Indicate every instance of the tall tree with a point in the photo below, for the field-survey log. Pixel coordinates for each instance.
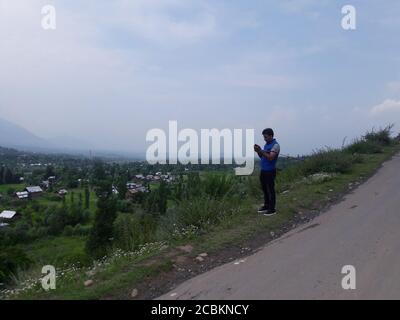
(121, 187)
(7, 176)
(101, 234)
(87, 197)
(49, 172)
(1, 175)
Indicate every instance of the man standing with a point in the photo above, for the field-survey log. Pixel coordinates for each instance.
(269, 156)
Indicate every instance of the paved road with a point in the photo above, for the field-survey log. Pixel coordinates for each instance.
(306, 263)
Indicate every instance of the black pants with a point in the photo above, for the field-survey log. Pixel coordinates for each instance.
(267, 179)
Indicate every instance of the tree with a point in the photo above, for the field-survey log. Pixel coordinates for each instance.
(87, 197)
(100, 236)
(12, 259)
(162, 197)
(121, 187)
(1, 175)
(98, 171)
(156, 201)
(7, 176)
(57, 219)
(49, 172)
(80, 202)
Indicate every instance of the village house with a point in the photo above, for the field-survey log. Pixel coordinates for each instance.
(62, 192)
(134, 189)
(132, 192)
(22, 195)
(8, 216)
(46, 184)
(142, 189)
(34, 191)
(115, 190)
(131, 185)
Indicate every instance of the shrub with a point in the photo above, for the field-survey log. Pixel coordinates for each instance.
(131, 231)
(56, 219)
(381, 137)
(253, 185)
(80, 230)
(200, 213)
(12, 259)
(363, 146)
(10, 191)
(217, 186)
(210, 185)
(68, 231)
(329, 160)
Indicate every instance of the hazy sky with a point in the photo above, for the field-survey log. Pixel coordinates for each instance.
(112, 70)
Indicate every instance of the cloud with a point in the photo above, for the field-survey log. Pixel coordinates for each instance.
(386, 106)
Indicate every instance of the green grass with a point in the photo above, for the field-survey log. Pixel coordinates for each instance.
(299, 198)
(118, 279)
(77, 191)
(17, 187)
(57, 251)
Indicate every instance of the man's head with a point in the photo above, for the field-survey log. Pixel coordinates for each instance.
(268, 135)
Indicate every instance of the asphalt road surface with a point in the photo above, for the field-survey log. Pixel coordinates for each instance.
(362, 231)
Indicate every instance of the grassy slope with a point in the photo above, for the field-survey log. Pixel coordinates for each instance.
(124, 274)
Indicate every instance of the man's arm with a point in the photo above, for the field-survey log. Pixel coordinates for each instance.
(269, 155)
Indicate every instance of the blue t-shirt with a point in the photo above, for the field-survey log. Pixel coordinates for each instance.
(267, 165)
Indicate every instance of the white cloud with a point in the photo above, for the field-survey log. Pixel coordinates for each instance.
(388, 105)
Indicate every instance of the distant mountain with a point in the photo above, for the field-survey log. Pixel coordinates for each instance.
(13, 135)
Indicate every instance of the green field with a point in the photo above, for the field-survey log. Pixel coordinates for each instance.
(57, 251)
(17, 187)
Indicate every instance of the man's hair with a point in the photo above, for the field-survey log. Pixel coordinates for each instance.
(268, 131)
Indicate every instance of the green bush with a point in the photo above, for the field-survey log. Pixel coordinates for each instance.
(381, 137)
(210, 185)
(217, 186)
(329, 160)
(80, 230)
(11, 260)
(200, 212)
(363, 146)
(68, 231)
(131, 231)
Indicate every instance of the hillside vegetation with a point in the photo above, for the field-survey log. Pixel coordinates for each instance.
(110, 240)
